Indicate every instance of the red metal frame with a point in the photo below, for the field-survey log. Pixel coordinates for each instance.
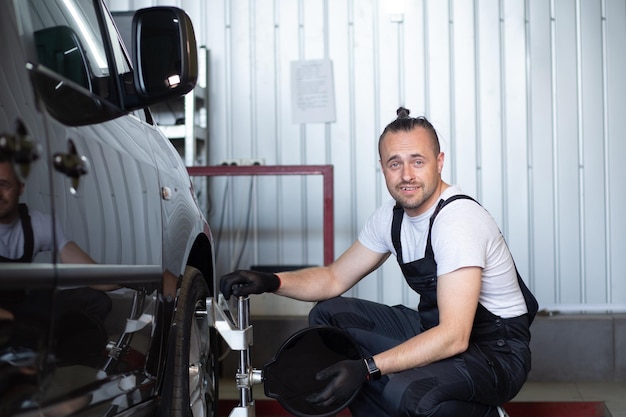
(326, 171)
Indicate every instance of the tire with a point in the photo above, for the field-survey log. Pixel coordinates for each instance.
(195, 375)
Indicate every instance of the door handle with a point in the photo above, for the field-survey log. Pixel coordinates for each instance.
(71, 164)
(20, 147)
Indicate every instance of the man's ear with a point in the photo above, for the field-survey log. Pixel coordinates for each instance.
(21, 188)
(440, 159)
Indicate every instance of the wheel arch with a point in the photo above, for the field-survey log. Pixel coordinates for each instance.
(201, 258)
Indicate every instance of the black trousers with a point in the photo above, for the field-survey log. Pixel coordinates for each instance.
(471, 384)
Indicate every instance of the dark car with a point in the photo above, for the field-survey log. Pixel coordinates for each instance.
(107, 261)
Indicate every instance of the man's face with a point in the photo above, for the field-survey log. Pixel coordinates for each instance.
(10, 190)
(412, 169)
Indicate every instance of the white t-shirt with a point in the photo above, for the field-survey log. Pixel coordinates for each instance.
(464, 234)
(12, 236)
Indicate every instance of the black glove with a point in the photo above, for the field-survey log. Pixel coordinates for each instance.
(345, 378)
(242, 283)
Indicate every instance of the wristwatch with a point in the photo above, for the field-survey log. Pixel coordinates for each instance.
(372, 370)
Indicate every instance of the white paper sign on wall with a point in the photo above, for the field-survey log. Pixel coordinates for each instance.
(312, 91)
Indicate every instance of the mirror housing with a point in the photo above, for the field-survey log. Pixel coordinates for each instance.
(69, 102)
(165, 55)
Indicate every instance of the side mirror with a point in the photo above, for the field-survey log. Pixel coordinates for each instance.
(165, 55)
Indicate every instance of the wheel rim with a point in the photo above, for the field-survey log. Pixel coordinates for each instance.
(202, 378)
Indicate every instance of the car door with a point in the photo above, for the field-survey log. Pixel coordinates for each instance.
(97, 342)
(26, 280)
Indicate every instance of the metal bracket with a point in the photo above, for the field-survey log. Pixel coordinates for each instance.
(238, 336)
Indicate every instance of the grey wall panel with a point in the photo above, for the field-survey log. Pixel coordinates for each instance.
(591, 153)
(615, 132)
(528, 97)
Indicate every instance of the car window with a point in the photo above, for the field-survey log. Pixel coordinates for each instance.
(69, 43)
(69, 59)
(121, 60)
(65, 30)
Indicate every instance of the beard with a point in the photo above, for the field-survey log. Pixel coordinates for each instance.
(7, 212)
(414, 201)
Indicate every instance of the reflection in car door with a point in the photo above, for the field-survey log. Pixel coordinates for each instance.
(23, 329)
(100, 185)
(113, 214)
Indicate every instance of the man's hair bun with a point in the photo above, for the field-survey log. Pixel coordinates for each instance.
(402, 112)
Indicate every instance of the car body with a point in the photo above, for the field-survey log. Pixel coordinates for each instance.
(76, 126)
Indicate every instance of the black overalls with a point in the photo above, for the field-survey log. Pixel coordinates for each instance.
(27, 228)
(12, 300)
(489, 373)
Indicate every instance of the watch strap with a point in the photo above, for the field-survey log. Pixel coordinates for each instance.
(373, 373)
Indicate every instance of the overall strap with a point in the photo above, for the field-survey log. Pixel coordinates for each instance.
(27, 227)
(27, 230)
(396, 223)
(441, 205)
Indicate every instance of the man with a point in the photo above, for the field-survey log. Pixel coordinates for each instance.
(18, 243)
(465, 351)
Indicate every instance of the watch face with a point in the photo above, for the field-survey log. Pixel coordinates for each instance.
(372, 369)
(290, 376)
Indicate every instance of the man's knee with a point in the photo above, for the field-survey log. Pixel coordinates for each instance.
(411, 397)
(321, 313)
(341, 312)
(437, 390)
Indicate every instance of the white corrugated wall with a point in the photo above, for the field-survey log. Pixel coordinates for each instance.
(528, 96)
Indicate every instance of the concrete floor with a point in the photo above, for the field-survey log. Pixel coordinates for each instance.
(613, 394)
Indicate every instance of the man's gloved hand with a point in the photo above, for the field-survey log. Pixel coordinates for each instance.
(242, 283)
(345, 378)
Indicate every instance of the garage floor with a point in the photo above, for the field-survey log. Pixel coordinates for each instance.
(545, 394)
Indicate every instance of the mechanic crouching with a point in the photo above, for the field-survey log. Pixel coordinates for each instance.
(465, 350)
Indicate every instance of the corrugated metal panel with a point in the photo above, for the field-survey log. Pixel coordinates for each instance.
(528, 97)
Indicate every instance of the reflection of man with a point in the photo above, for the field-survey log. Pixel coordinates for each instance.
(23, 234)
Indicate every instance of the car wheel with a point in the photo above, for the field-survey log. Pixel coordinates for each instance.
(195, 376)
